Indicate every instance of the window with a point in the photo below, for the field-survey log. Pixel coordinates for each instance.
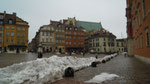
(70, 28)
(42, 33)
(10, 21)
(12, 40)
(147, 37)
(18, 34)
(117, 44)
(143, 7)
(18, 28)
(7, 33)
(141, 40)
(7, 27)
(46, 39)
(12, 28)
(122, 44)
(42, 39)
(1, 22)
(1, 28)
(66, 28)
(23, 28)
(46, 33)
(1, 34)
(0, 40)
(75, 28)
(23, 35)
(23, 41)
(18, 41)
(104, 44)
(139, 16)
(12, 33)
(7, 40)
(56, 30)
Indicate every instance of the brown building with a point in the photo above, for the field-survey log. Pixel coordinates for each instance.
(74, 39)
(138, 28)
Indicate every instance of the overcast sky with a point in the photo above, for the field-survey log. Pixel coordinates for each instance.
(111, 13)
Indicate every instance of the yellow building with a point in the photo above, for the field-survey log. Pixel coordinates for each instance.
(15, 33)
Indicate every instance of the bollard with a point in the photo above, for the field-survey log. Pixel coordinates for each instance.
(40, 55)
(93, 64)
(69, 72)
(103, 61)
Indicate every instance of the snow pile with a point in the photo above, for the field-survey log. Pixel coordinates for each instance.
(106, 58)
(124, 53)
(102, 78)
(41, 71)
(58, 53)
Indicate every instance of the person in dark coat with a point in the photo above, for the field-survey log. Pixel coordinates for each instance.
(40, 55)
(96, 56)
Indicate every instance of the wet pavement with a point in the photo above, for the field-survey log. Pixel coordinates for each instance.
(9, 59)
(130, 70)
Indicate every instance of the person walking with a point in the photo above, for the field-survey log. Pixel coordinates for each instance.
(96, 56)
(83, 53)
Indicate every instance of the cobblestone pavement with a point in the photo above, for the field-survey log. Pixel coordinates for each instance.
(130, 70)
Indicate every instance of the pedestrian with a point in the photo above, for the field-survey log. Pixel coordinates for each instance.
(70, 53)
(96, 56)
(40, 55)
(83, 53)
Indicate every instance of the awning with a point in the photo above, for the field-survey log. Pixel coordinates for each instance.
(17, 46)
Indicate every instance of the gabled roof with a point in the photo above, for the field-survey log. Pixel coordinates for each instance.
(103, 33)
(89, 25)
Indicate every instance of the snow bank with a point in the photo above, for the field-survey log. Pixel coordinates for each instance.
(41, 71)
(106, 58)
(102, 77)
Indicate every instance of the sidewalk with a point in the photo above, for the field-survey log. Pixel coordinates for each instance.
(130, 70)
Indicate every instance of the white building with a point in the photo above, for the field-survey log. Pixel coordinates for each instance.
(121, 45)
(102, 41)
(45, 39)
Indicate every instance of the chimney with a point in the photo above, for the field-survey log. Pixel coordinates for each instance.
(14, 13)
(4, 13)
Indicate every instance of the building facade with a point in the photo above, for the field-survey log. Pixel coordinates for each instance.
(59, 36)
(13, 33)
(102, 41)
(46, 39)
(138, 17)
(121, 45)
(74, 39)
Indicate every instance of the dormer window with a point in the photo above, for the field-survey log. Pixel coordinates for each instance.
(1, 22)
(10, 21)
(59, 25)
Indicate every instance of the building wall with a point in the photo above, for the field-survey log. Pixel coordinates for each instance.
(120, 46)
(141, 24)
(103, 44)
(74, 38)
(60, 38)
(1, 37)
